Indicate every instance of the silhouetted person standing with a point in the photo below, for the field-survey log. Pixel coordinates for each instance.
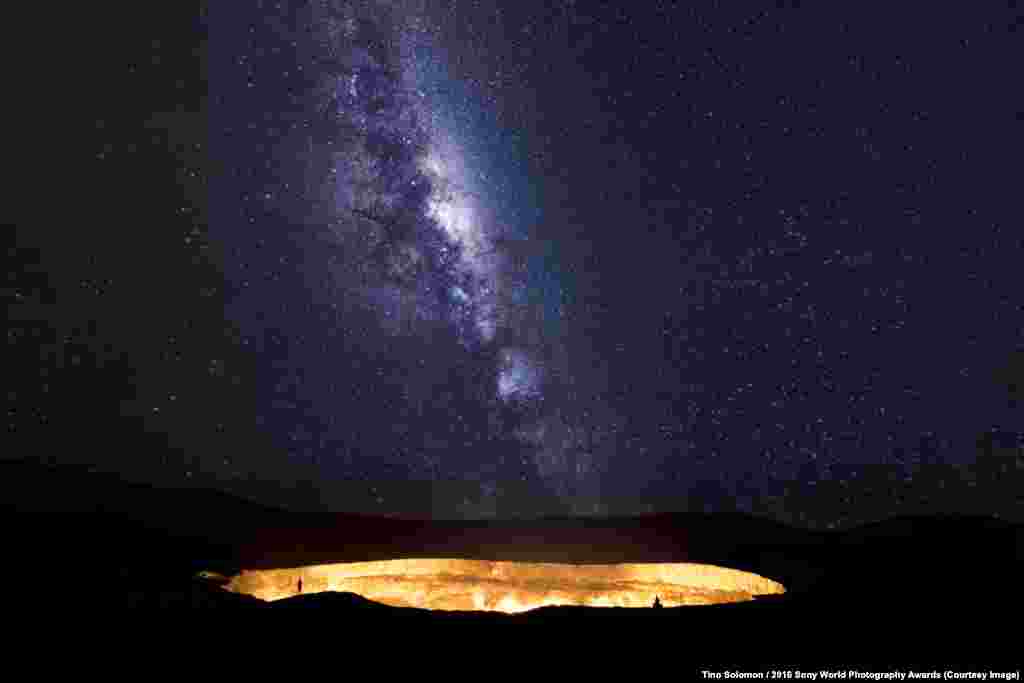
(300, 584)
(657, 602)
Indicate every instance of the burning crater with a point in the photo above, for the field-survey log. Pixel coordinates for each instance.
(511, 587)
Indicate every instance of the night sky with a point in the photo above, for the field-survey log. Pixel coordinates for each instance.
(487, 259)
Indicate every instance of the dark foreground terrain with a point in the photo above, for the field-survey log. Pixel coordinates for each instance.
(75, 539)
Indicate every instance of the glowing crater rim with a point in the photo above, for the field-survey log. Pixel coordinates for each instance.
(511, 587)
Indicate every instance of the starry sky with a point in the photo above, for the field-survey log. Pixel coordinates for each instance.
(488, 259)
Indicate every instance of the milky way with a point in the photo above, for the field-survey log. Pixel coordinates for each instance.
(411, 207)
(403, 188)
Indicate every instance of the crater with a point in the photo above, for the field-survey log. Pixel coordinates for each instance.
(510, 587)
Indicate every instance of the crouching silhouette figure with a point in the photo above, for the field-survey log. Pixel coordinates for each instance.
(657, 602)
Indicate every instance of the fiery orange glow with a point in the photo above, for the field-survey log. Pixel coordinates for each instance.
(445, 584)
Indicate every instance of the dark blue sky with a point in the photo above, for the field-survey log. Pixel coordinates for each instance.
(514, 259)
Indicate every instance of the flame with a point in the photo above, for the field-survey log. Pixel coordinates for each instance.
(510, 587)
